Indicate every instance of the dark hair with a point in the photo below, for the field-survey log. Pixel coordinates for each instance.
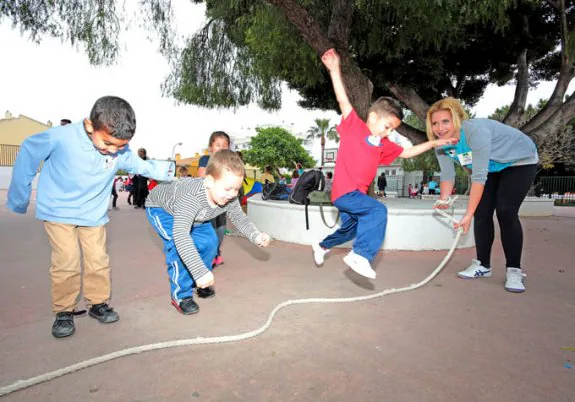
(218, 134)
(329, 175)
(268, 168)
(144, 152)
(386, 106)
(63, 122)
(295, 174)
(115, 116)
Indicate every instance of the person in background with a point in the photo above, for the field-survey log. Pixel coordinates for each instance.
(381, 185)
(294, 178)
(328, 182)
(140, 184)
(267, 177)
(432, 186)
(218, 140)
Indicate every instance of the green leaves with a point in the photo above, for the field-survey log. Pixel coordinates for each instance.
(278, 148)
(213, 72)
(94, 23)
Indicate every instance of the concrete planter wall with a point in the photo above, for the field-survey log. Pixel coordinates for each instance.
(412, 224)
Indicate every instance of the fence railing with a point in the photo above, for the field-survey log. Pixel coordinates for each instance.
(8, 154)
(560, 188)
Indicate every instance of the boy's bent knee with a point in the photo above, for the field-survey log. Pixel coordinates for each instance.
(379, 213)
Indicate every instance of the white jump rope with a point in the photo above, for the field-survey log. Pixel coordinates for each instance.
(18, 385)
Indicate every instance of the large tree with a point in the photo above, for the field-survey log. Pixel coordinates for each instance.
(417, 50)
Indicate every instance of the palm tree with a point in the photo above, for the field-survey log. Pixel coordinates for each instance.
(322, 130)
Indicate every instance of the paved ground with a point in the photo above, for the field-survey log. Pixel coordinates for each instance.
(452, 340)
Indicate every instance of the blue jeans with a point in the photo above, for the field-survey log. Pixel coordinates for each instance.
(181, 282)
(363, 218)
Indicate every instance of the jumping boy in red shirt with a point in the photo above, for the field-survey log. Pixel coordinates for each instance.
(364, 146)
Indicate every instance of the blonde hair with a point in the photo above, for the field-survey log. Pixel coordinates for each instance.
(453, 106)
(225, 160)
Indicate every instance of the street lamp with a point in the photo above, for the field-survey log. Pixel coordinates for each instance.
(174, 150)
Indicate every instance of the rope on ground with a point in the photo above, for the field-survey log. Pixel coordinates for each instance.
(22, 384)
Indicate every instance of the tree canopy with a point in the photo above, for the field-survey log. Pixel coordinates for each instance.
(418, 50)
(278, 148)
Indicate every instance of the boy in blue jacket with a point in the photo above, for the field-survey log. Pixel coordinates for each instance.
(80, 162)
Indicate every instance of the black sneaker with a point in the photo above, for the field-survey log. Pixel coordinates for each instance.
(103, 313)
(206, 293)
(63, 324)
(187, 306)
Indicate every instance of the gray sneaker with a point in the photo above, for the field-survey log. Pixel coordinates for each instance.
(514, 280)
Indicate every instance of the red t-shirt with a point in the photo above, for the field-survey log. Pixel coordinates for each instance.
(357, 160)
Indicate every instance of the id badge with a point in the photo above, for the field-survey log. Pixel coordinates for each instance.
(109, 162)
(465, 158)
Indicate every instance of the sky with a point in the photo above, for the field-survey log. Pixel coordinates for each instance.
(53, 80)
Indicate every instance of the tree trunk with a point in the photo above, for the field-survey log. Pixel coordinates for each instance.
(557, 121)
(411, 99)
(412, 134)
(322, 142)
(359, 89)
(566, 74)
(517, 108)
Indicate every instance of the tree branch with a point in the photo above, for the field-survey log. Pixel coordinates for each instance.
(305, 23)
(359, 87)
(414, 135)
(566, 74)
(411, 99)
(556, 122)
(517, 108)
(339, 29)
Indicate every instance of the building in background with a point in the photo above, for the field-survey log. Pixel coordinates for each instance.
(13, 131)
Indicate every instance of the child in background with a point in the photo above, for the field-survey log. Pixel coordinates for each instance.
(218, 140)
(364, 146)
(181, 211)
(182, 172)
(267, 177)
(80, 162)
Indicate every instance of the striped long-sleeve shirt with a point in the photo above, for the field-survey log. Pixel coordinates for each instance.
(186, 200)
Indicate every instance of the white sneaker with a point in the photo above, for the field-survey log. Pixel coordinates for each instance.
(514, 282)
(318, 254)
(475, 270)
(359, 264)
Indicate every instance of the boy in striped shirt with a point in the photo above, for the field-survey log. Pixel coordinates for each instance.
(181, 211)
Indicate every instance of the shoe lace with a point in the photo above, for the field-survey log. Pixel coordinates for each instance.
(516, 276)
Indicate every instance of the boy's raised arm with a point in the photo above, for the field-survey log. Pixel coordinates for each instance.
(332, 62)
(32, 152)
(426, 146)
